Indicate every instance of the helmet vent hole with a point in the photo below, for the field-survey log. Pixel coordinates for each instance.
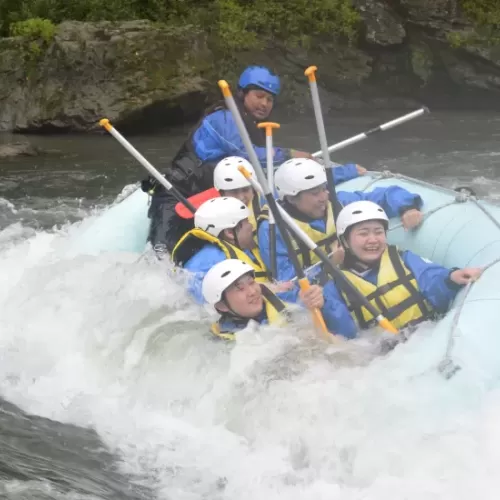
(225, 274)
(357, 212)
(309, 177)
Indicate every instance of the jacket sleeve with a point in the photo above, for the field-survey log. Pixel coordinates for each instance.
(199, 264)
(432, 280)
(218, 136)
(335, 312)
(393, 199)
(343, 173)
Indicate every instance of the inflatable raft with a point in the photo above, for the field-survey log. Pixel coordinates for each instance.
(457, 231)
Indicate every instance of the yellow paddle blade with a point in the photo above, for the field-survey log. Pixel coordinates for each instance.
(387, 325)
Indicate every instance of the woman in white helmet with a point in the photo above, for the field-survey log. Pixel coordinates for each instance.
(222, 231)
(230, 287)
(405, 288)
(301, 185)
(229, 181)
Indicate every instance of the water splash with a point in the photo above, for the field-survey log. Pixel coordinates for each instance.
(112, 341)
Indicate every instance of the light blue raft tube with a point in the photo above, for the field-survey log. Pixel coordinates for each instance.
(457, 231)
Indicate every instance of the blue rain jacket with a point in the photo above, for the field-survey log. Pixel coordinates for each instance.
(432, 281)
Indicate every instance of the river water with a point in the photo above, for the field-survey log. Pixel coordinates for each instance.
(112, 389)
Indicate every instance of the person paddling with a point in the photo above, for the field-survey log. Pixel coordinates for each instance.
(229, 181)
(231, 289)
(222, 231)
(405, 288)
(302, 188)
(214, 138)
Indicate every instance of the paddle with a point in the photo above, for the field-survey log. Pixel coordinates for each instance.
(269, 126)
(199, 198)
(304, 284)
(145, 163)
(334, 272)
(196, 200)
(336, 205)
(380, 128)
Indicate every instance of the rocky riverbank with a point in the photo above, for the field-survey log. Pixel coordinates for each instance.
(143, 75)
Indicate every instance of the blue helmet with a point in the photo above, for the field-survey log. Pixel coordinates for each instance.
(261, 77)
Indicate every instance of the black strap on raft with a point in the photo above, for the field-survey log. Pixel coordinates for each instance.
(465, 190)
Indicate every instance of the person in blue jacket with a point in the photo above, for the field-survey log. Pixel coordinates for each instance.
(301, 185)
(402, 286)
(229, 181)
(213, 138)
(222, 231)
(231, 289)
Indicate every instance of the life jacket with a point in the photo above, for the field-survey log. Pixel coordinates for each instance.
(275, 314)
(396, 294)
(324, 240)
(255, 210)
(189, 173)
(193, 241)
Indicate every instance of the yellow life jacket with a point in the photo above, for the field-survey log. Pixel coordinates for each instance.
(324, 240)
(193, 241)
(275, 314)
(396, 294)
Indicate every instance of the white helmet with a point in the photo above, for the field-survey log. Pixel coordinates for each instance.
(220, 277)
(227, 176)
(359, 211)
(220, 213)
(298, 174)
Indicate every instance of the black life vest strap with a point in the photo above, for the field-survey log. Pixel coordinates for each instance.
(275, 301)
(259, 274)
(392, 313)
(414, 293)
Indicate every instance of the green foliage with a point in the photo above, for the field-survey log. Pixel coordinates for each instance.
(37, 34)
(36, 28)
(295, 19)
(456, 40)
(243, 23)
(483, 12)
(233, 23)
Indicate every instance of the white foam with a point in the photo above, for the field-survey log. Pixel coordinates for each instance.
(113, 342)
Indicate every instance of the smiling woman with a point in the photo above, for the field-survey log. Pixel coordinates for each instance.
(404, 287)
